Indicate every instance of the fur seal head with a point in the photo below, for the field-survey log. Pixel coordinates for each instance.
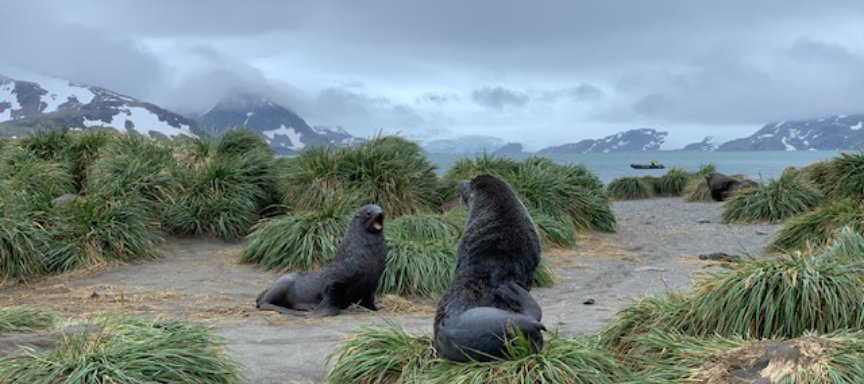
(370, 217)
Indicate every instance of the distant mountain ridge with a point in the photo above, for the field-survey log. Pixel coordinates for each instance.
(42, 102)
(464, 145)
(842, 132)
(285, 131)
(635, 140)
(706, 145)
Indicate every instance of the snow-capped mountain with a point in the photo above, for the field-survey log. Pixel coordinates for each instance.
(31, 102)
(838, 132)
(464, 145)
(706, 145)
(285, 131)
(635, 140)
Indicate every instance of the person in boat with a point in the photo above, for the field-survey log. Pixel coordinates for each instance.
(653, 162)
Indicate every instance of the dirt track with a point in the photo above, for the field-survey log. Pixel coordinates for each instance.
(655, 247)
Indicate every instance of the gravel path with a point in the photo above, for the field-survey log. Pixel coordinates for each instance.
(655, 248)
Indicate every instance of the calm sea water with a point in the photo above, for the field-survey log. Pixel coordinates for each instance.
(609, 166)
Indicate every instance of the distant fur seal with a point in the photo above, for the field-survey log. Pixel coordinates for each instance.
(722, 186)
(489, 299)
(352, 276)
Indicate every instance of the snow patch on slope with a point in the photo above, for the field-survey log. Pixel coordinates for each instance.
(143, 121)
(290, 133)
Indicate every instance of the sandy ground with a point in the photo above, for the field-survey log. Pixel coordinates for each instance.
(654, 249)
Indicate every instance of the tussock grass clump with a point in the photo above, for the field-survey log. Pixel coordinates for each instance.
(844, 178)
(830, 359)
(47, 144)
(639, 318)
(380, 355)
(389, 171)
(672, 183)
(847, 247)
(783, 297)
(93, 230)
(127, 350)
(386, 354)
(630, 188)
(134, 165)
(562, 192)
(778, 298)
(816, 174)
(25, 319)
(569, 193)
(421, 255)
(29, 181)
(554, 232)
(818, 227)
(697, 190)
(305, 240)
(83, 150)
(23, 243)
(545, 275)
(422, 268)
(237, 142)
(226, 183)
(468, 168)
(778, 200)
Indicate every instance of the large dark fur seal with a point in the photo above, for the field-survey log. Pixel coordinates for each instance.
(488, 299)
(350, 278)
(722, 186)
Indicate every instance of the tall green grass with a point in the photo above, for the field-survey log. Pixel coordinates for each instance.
(844, 178)
(672, 183)
(778, 200)
(697, 189)
(20, 319)
(23, 244)
(630, 188)
(834, 358)
(386, 354)
(418, 267)
(134, 166)
(554, 232)
(818, 227)
(783, 297)
(225, 184)
(27, 180)
(127, 351)
(94, 230)
(389, 171)
(380, 355)
(569, 193)
(304, 240)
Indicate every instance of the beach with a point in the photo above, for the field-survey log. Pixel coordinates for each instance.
(655, 249)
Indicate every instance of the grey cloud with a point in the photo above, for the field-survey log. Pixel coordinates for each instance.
(580, 93)
(499, 98)
(811, 79)
(437, 98)
(629, 62)
(84, 54)
(365, 115)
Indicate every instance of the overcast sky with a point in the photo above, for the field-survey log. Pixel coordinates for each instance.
(537, 72)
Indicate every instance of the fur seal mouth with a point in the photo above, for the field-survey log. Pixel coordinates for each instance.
(377, 223)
